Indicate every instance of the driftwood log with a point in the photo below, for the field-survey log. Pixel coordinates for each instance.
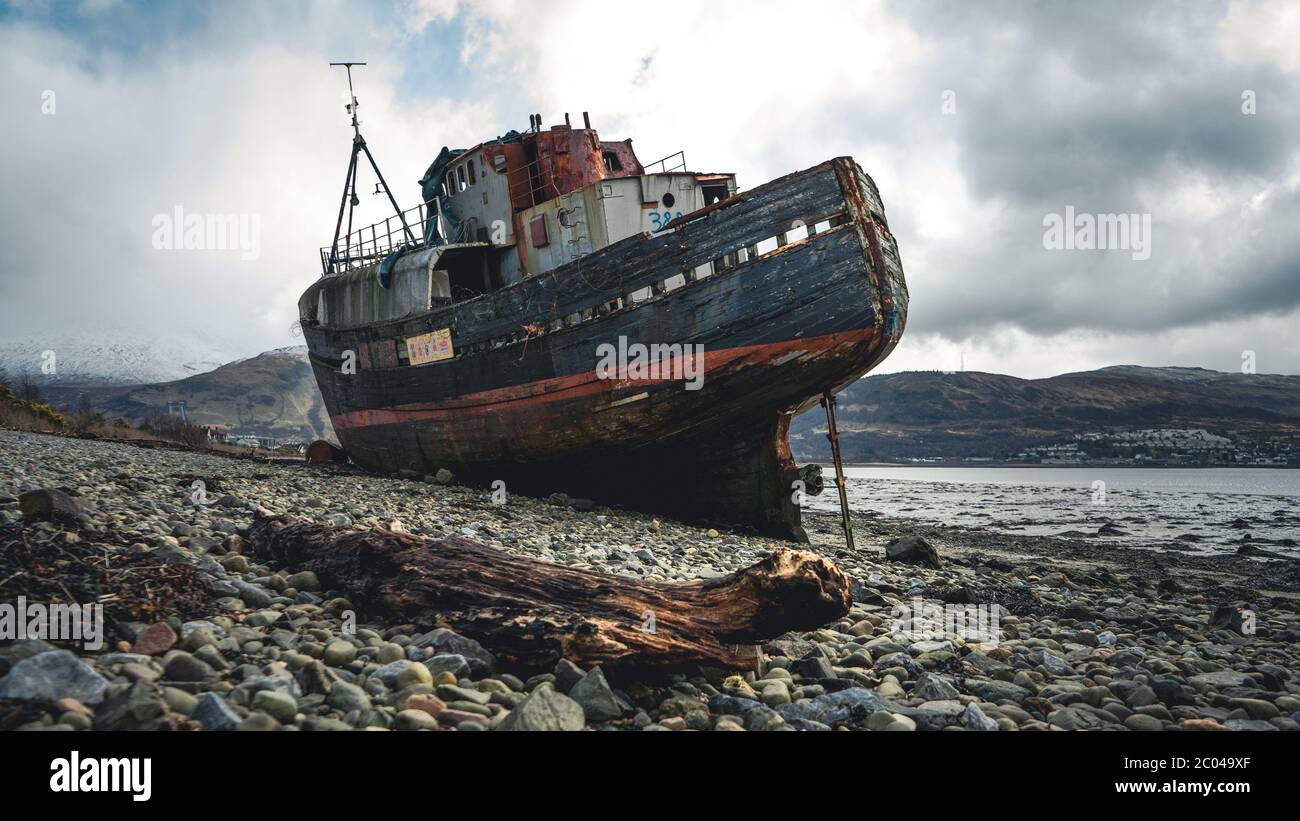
(530, 613)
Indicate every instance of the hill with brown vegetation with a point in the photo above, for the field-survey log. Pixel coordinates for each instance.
(919, 414)
(272, 394)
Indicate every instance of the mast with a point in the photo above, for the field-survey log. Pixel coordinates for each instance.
(350, 200)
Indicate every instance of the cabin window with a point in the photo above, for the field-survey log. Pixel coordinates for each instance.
(612, 163)
(451, 183)
(460, 177)
(472, 180)
(713, 192)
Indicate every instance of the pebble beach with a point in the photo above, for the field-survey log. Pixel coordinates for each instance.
(1089, 636)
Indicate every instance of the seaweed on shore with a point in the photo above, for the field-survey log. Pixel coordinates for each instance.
(130, 586)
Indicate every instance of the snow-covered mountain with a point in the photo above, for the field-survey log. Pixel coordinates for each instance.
(113, 358)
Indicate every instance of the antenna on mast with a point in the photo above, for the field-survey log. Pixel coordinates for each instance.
(350, 199)
(351, 107)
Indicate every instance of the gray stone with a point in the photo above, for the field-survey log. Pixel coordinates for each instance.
(1053, 663)
(414, 720)
(567, 674)
(453, 663)
(443, 640)
(1076, 718)
(252, 595)
(853, 704)
(391, 672)
(1142, 696)
(547, 710)
(912, 550)
(1141, 723)
(258, 723)
(995, 691)
(51, 676)
(450, 692)
(596, 697)
(214, 713)
(304, 580)
(182, 666)
(935, 715)
(339, 653)
(346, 697)
(931, 687)
(814, 667)
(179, 701)
(1220, 679)
(885, 721)
(139, 707)
(1249, 725)
(26, 648)
(51, 505)
(763, 718)
(280, 706)
(977, 721)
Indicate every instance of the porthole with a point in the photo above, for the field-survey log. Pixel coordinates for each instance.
(669, 200)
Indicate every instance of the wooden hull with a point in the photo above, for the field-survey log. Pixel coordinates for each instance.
(531, 409)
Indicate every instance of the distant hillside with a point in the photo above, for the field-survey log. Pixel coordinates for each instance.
(934, 414)
(273, 394)
(918, 414)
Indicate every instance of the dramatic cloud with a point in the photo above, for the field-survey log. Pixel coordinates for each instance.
(976, 120)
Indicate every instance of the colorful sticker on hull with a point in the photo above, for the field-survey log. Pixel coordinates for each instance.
(432, 347)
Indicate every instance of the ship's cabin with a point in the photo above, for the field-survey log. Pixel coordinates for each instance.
(503, 210)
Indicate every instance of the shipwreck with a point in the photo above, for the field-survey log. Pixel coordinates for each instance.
(475, 331)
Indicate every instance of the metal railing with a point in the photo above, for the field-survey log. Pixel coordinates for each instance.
(410, 230)
(679, 165)
(532, 182)
(521, 183)
(374, 242)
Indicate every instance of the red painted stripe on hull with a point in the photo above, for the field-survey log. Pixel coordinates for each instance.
(588, 383)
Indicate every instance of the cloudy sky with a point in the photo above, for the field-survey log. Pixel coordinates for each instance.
(977, 121)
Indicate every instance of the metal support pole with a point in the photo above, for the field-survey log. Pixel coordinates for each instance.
(833, 434)
(338, 226)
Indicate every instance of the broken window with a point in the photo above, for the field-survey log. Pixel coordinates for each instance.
(713, 192)
(472, 179)
(612, 163)
(460, 176)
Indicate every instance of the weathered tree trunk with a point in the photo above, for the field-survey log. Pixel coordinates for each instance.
(530, 613)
